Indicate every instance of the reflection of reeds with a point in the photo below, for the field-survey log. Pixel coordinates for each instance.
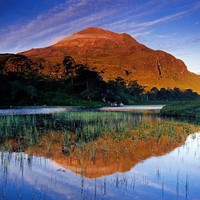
(82, 182)
(104, 186)
(86, 126)
(158, 174)
(5, 162)
(163, 187)
(92, 137)
(48, 147)
(187, 186)
(177, 184)
(133, 181)
(93, 153)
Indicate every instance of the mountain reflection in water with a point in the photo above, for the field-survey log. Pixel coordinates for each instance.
(156, 159)
(104, 156)
(171, 176)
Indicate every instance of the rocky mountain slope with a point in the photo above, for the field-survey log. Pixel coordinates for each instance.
(116, 55)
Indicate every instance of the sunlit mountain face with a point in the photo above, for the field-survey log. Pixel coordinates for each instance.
(116, 55)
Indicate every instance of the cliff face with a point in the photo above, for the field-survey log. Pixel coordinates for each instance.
(115, 55)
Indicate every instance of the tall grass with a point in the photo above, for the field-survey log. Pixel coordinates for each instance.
(75, 129)
(17, 132)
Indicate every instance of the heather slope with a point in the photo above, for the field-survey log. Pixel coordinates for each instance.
(115, 55)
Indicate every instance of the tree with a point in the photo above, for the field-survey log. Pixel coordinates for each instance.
(136, 90)
(177, 93)
(164, 94)
(31, 91)
(2, 66)
(117, 91)
(70, 67)
(189, 94)
(89, 83)
(18, 64)
(15, 88)
(153, 93)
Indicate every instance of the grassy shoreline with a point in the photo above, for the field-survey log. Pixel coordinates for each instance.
(182, 109)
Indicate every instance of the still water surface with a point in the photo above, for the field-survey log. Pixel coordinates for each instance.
(28, 111)
(175, 175)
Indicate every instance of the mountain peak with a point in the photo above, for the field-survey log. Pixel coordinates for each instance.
(94, 30)
(92, 33)
(118, 55)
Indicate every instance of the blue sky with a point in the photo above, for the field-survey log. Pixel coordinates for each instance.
(169, 25)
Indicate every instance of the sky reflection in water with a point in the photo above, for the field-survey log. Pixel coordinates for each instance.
(172, 176)
(43, 110)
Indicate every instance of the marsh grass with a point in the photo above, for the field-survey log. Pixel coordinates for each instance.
(91, 138)
(81, 127)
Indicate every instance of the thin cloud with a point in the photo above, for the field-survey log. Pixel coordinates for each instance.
(141, 34)
(162, 36)
(193, 39)
(140, 29)
(53, 23)
(197, 5)
(161, 20)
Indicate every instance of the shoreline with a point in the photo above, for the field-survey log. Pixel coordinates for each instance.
(50, 110)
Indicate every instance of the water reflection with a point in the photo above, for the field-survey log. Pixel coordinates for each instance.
(118, 164)
(110, 153)
(175, 175)
(33, 111)
(171, 176)
(49, 110)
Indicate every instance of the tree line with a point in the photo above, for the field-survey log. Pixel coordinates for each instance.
(24, 85)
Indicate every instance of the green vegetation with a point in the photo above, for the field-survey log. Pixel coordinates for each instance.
(85, 125)
(87, 135)
(22, 84)
(184, 108)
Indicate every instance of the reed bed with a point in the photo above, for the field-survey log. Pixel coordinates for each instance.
(90, 135)
(86, 126)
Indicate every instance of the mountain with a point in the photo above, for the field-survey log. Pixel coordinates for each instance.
(116, 55)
